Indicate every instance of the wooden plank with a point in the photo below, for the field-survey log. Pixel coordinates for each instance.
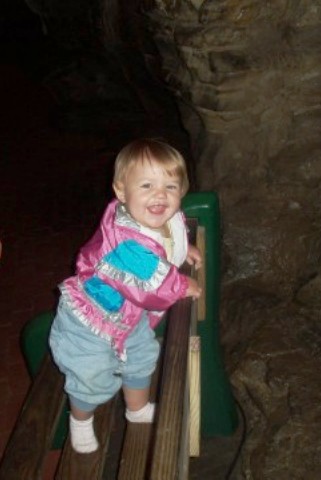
(183, 459)
(130, 442)
(135, 451)
(32, 437)
(167, 455)
(116, 441)
(195, 396)
(201, 273)
(138, 440)
(76, 466)
(169, 421)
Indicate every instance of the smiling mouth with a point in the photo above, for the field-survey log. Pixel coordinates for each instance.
(157, 209)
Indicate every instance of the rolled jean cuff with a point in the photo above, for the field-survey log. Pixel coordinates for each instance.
(137, 383)
(81, 405)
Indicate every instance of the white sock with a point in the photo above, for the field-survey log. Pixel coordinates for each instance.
(82, 435)
(144, 415)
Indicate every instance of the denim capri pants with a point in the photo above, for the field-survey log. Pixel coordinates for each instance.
(93, 372)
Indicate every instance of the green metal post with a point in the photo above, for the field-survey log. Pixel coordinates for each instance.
(218, 409)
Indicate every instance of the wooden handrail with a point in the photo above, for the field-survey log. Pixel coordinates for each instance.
(166, 449)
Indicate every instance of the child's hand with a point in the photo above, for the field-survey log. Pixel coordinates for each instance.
(193, 290)
(194, 257)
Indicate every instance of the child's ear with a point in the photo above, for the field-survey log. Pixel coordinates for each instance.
(119, 190)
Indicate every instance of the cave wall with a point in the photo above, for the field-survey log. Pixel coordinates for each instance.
(247, 77)
(252, 71)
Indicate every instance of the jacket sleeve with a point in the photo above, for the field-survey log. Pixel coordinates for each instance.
(142, 277)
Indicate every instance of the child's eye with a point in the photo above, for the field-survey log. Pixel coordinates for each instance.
(172, 187)
(146, 185)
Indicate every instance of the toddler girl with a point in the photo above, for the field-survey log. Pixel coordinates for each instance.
(127, 275)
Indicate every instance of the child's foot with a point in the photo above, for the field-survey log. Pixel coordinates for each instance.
(82, 435)
(144, 415)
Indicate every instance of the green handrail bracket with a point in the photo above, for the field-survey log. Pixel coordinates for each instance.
(218, 409)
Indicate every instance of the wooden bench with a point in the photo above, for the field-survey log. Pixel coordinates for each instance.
(155, 451)
(158, 451)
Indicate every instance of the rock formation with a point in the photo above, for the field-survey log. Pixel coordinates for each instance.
(247, 77)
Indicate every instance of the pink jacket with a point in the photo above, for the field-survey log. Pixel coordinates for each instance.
(123, 271)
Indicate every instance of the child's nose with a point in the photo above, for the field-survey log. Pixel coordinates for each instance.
(161, 191)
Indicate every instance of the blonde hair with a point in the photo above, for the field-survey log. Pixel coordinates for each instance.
(151, 149)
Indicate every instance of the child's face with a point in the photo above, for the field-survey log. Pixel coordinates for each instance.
(151, 196)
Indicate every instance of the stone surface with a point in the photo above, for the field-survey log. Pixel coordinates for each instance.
(247, 76)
